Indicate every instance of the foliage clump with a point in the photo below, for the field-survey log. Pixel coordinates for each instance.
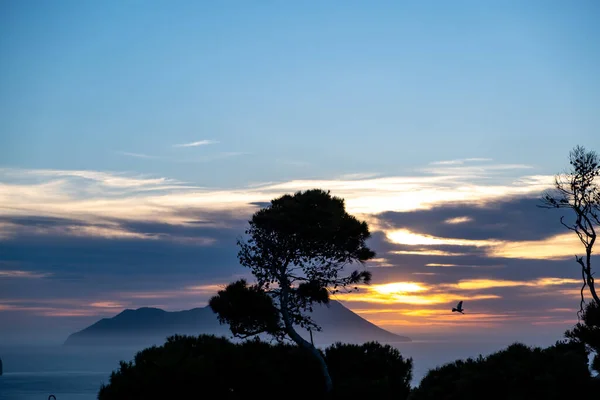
(587, 332)
(212, 367)
(518, 372)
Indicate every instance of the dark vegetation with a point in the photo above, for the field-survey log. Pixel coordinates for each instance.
(298, 251)
(207, 367)
(587, 333)
(516, 373)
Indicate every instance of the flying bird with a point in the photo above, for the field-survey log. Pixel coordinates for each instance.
(458, 308)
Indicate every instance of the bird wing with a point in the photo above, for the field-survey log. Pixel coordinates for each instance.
(459, 306)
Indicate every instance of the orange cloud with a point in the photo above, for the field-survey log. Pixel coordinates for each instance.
(419, 293)
(107, 304)
(405, 236)
(560, 246)
(565, 245)
(415, 293)
(477, 284)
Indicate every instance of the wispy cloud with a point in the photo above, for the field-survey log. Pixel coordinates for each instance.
(23, 274)
(460, 161)
(557, 247)
(136, 155)
(106, 304)
(113, 231)
(428, 252)
(478, 284)
(447, 265)
(197, 143)
(474, 171)
(404, 236)
(358, 176)
(103, 197)
(458, 220)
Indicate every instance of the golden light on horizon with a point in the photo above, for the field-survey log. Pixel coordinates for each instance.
(398, 287)
(414, 293)
(405, 236)
(477, 284)
(561, 246)
(407, 319)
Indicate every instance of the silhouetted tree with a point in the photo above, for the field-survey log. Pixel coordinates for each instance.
(298, 250)
(578, 190)
(516, 373)
(587, 332)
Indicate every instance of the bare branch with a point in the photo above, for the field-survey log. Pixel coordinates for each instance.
(577, 190)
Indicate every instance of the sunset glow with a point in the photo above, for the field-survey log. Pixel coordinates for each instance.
(119, 194)
(390, 186)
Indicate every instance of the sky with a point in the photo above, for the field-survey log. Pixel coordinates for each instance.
(137, 139)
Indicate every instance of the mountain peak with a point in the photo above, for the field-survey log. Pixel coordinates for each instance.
(149, 325)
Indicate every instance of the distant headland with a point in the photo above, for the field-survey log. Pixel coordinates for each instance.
(153, 325)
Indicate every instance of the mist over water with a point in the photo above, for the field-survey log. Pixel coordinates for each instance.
(70, 373)
(76, 373)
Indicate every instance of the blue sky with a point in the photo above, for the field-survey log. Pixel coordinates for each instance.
(136, 138)
(294, 89)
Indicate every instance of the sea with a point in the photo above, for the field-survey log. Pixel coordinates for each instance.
(76, 373)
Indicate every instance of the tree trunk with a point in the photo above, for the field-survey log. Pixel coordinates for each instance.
(300, 341)
(590, 282)
(588, 261)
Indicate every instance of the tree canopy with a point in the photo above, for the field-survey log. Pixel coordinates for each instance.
(207, 367)
(299, 249)
(516, 373)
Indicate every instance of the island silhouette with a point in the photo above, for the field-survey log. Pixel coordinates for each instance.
(147, 326)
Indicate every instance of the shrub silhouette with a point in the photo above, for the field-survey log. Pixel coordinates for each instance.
(369, 371)
(516, 373)
(587, 332)
(211, 367)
